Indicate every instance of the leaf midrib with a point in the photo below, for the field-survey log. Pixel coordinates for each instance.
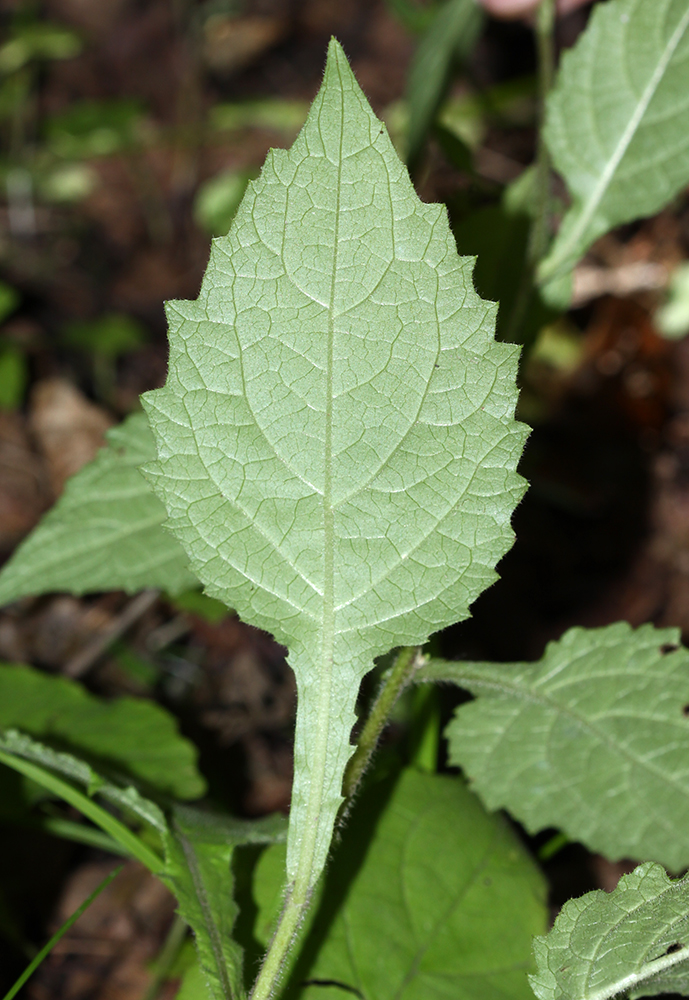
(212, 929)
(304, 875)
(559, 263)
(457, 898)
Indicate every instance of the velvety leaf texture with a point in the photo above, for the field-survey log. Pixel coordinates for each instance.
(336, 438)
(130, 735)
(105, 532)
(592, 739)
(633, 940)
(618, 120)
(441, 881)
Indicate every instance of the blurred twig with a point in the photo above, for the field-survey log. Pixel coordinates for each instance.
(133, 610)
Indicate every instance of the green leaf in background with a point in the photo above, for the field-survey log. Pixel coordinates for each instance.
(199, 872)
(498, 236)
(81, 773)
(450, 38)
(194, 602)
(415, 16)
(38, 41)
(67, 182)
(218, 199)
(275, 115)
(111, 335)
(336, 437)
(94, 128)
(672, 318)
(470, 114)
(429, 898)
(14, 376)
(193, 985)
(129, 735)
(592, 739)
(634, 941)
(618, 121)
(104, 533)
(9, 300)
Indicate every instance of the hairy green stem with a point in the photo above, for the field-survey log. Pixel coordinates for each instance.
(393, 684)
(539, 235)
(298, 898)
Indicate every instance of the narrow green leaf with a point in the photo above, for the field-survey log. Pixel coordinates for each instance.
(634, 940)
(336, 437)
(618, 121)
(40, 764)
(592, 739)
(129, 735)
(45, 951)
(429, 898)
(450, 38)
(81, 773)
(199, 855)
(104, 533)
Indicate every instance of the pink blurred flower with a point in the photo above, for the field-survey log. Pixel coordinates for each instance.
(509, 9)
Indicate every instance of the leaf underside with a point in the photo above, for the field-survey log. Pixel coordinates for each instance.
(336, 442)
(633, 940)
(105, 532)
(442, 881)
(592, 739)
(618, 121)
(130, 735)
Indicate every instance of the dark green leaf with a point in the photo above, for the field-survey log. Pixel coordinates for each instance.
(199, 855)
(427, 897)
(133, 736)
(450, 37)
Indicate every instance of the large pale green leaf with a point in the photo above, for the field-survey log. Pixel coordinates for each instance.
(129, 735)
(593, 739)
(431, 898)
(634, 940)
(618, 121)
(199, 872)
(105, 532)
(336, 438)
